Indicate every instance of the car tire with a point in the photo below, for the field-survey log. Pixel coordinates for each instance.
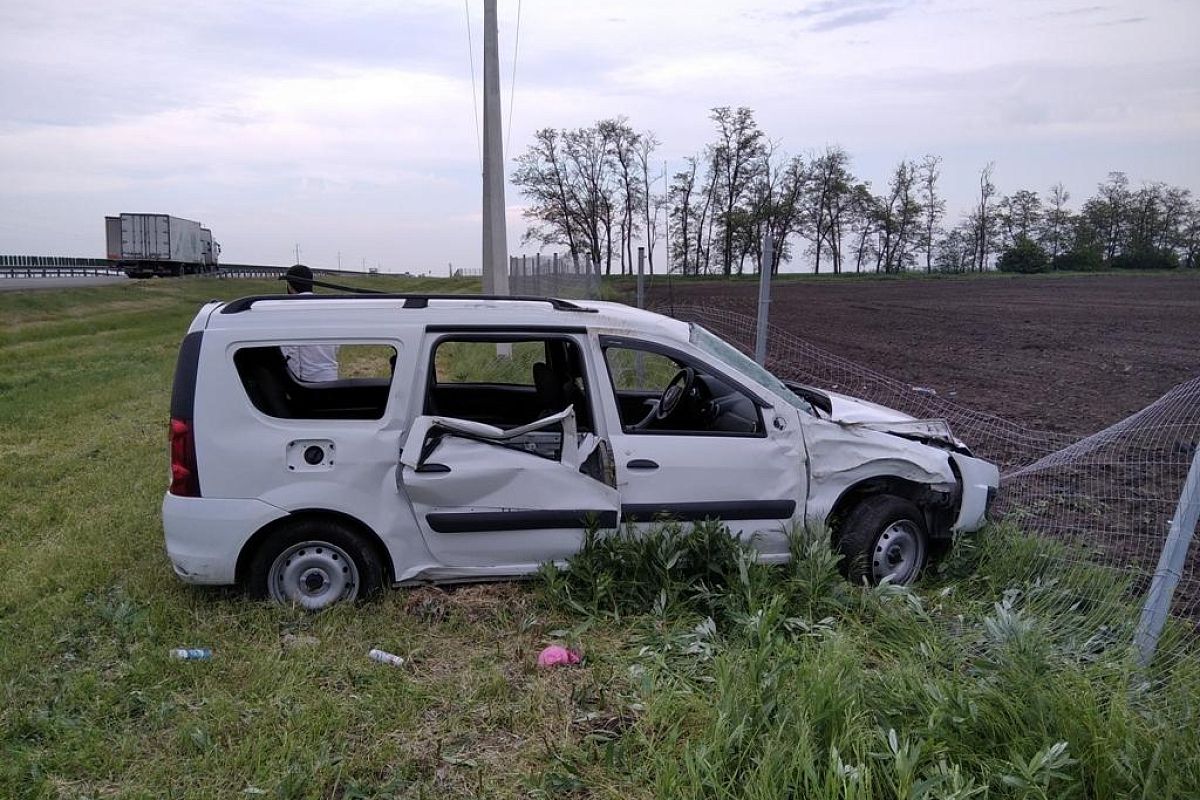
(883, 536)
(315, 563)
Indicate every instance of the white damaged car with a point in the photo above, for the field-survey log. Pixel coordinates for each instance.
(475, 438)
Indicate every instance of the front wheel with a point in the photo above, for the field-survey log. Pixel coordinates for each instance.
(314, 564)
(884, 537)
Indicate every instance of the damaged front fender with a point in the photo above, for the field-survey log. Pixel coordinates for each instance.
(842, 456)
(952, 487)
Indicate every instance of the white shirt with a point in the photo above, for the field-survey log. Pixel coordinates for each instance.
(312, 363)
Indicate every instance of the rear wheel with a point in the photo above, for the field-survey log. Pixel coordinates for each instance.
(884, 536)
(315, 563)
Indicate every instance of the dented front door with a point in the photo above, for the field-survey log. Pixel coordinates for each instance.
(483, 501)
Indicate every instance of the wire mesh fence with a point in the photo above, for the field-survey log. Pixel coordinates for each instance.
(1107, 498)
(554, 275)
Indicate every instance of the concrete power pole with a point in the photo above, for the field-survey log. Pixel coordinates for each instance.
(495, 234)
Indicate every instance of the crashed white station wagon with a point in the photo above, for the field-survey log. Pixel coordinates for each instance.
(473, 438)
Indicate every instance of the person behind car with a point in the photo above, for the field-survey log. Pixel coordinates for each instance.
(311, 363)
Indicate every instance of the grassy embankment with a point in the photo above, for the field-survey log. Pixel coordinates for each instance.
(799, 687)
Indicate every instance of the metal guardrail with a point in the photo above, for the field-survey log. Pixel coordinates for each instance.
(57, 272)
(23, 262)
(67, 266)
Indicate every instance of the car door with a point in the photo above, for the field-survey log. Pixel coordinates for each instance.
(483, 501)
(505, 467)
(744, 466)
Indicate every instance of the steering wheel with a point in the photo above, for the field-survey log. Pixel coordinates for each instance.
(673, 394)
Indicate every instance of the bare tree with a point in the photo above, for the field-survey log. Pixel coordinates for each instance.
(681, 196)
(647, 144)
(1110, 211)
(1056, 222)
(899, 211)
(735, 154)
(864, 218)
(775, 206)
(589, 160)
(544, 179)
(1020, 216)
(982, 222)
(622, 144)
(933, 206)
(829, 186)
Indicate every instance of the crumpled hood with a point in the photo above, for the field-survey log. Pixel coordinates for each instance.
(857, 413)
(851, 410)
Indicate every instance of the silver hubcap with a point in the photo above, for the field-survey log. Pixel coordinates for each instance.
(899, 553)
(313, 575)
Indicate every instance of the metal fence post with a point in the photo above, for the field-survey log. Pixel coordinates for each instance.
(1170, 565)
(641, 284)
(764, 299)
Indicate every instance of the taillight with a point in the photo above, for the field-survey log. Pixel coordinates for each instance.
(185, 480)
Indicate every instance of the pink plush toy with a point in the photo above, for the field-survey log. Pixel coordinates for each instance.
(556, 655)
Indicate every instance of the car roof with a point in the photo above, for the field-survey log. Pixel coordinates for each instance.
(327, 311)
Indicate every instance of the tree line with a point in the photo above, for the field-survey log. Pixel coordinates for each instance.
(599, 191)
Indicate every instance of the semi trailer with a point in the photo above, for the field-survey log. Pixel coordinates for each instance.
(148, 245)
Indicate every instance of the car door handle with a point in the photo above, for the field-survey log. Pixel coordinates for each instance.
(432, 467)
(642, 463)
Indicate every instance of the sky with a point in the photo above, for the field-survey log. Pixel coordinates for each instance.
(349, 128)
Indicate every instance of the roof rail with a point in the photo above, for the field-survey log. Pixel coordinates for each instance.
(410, 300)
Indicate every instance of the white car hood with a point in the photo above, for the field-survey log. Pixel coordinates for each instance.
(857, 413)
(851, 410)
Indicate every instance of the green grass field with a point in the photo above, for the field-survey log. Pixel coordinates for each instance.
(704, 675)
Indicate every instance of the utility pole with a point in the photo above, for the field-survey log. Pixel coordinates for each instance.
(495, 234)
(764, 298)
(297, 252)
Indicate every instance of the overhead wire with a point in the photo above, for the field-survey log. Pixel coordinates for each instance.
(474, 91)
(512, 84)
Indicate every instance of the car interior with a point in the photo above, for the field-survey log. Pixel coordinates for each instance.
(276, 392)
(478, 380)
(657, 393)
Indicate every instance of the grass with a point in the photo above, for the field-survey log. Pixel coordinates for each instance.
(705, 675)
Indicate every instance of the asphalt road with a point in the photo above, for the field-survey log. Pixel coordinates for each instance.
(17, 284)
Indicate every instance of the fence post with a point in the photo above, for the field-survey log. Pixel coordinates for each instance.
(641, 284)
(764, 299)
(1170, 565)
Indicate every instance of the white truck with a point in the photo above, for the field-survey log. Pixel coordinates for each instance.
(148, 245)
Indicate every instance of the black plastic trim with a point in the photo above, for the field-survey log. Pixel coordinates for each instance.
(410, 300)
(535, 331)
(642, 463)
(183, 390)
(481, 521)
(729, 510)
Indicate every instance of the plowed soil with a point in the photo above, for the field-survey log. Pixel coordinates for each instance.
(1072, 354)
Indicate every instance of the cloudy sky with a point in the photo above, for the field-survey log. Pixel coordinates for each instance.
(349, 126)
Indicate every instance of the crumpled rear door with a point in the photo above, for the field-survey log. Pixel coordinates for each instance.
(484, 497)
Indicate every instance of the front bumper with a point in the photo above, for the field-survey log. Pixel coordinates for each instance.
(205, 536)
(980, 482)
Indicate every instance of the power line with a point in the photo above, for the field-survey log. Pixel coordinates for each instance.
(512, 85)
(474, 91)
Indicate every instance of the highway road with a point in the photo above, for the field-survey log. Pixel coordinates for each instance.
(16, 284)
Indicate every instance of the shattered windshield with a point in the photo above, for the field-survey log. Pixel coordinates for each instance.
(728, 354)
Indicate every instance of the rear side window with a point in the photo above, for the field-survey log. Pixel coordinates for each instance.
(317, 380)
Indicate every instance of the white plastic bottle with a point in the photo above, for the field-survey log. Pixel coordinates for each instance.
(192, 653)
(384, 657)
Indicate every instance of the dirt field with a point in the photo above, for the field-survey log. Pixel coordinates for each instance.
(1071, 354)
